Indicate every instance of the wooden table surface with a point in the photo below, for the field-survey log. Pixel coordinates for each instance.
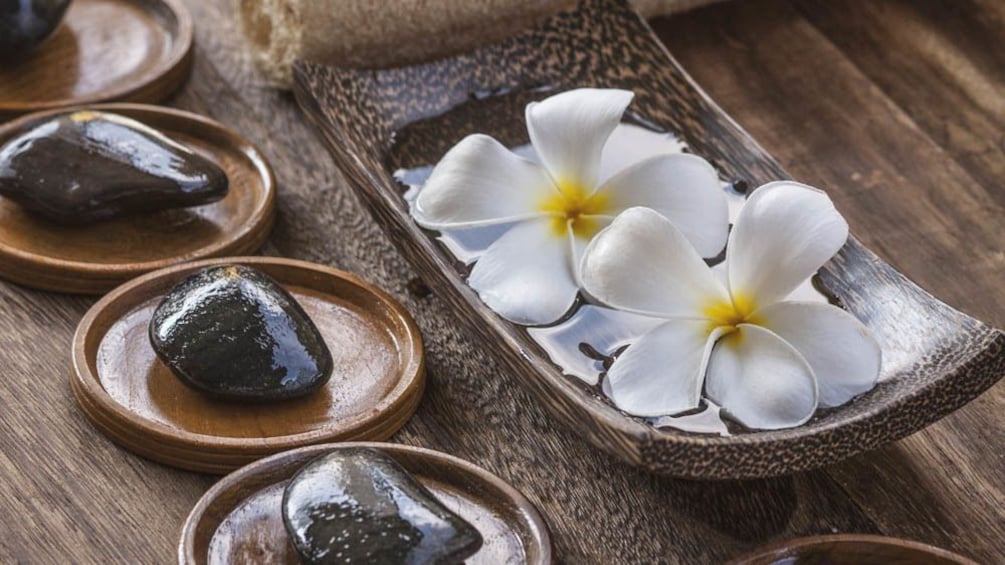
(896, 107)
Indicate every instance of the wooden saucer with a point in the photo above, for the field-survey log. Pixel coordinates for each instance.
(129, 50)
(96, 258)
(850, 549)
(239, 520)
(135, 400)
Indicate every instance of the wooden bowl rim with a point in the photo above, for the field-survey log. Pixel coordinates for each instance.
(172, 71)
(87, 386)
(538, 526)
(261, 217)
(787, 546)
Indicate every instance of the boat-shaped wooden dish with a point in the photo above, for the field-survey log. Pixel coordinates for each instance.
(134, 399)
(95, 258)
(239, 520)
(850, 549)
(377, 121)
(104, 50)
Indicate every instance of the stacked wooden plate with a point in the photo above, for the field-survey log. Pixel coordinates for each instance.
(132, 50)
(239, 519)
(136, 401)
(96, 258)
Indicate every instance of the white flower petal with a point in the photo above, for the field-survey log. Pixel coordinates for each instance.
(569, 131)
(479, 182)
(579, 244)
(661, 373)
(760, 380)
(843, 353)
(642, 263)
(603, 329)
(785, 232)
(526, 275)
(685, 188)
(630, 144)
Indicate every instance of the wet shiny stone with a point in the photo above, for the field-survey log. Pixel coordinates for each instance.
(90, 166)
(231, 331)
(357, 505)
(24, 24)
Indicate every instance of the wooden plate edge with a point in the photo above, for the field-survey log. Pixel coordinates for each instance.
(206, 453)
(535, 521)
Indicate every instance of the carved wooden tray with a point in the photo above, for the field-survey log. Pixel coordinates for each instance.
(378, 121)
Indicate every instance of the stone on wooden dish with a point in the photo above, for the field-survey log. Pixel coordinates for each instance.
(233, 332)
(358, 505)
(24, 24)
(89, 166)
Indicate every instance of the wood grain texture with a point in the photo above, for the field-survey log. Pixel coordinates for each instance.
(68, 495)
(866, 103)
(122, 50)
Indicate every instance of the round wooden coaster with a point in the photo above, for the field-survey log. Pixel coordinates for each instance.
(239, 520)
(134, 399)
(130, 50)
(95, 258)
(850, 549)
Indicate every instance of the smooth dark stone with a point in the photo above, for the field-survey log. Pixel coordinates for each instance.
(357, 505)
(233, 332)
(24, 24)
(91, 166)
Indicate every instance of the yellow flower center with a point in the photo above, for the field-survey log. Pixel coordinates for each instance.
(730, 314)
(573, 205)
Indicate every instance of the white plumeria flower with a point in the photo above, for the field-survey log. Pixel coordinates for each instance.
(768, 362)
(530, 274)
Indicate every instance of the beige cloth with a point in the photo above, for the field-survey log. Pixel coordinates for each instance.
(384, 33)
